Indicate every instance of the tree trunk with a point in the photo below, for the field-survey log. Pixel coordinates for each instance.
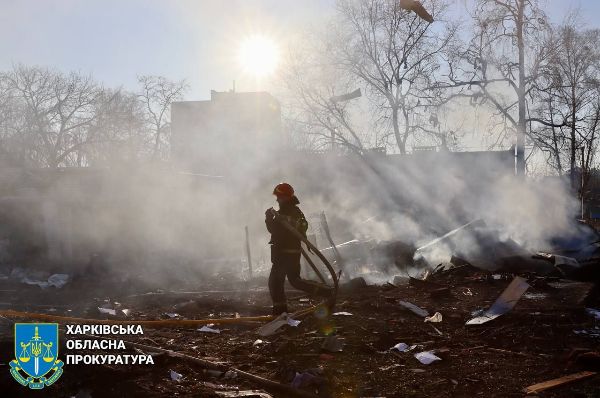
(573, 139)
(156, 143)
(555, 148)
(401, 143)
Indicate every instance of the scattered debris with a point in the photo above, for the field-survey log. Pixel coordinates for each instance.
(176, 376)
(392, 366)
(417, 7)
(592, 332)
(504, 303)
(438, 331)
(482, 247)
(427, 357)
(369, 339)
(535, 296)
(209, 329)
(273, 326)
(303, 380)
(566, 264)
(415, 309)
(246, 394)
(54, 280)
(593, 312)
(309, 378)
(108, 311)
(416, 370)
(546, 385)
(403, 347)
(343, 313)
(436, 318)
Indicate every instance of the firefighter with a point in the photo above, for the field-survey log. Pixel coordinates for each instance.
(285, 250)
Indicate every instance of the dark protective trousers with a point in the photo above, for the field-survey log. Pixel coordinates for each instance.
(288, 264)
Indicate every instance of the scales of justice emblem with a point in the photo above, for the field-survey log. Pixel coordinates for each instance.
(36, 350)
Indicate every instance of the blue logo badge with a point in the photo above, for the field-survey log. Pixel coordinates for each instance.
(36, 351)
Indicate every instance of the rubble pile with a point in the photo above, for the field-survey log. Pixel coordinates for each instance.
(494, 320)
(462, 331)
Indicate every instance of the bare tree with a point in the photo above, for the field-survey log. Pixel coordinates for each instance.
(313, 110)
(571, 91)
(49, 113)
(395, 54)
(500, 66)
(51, 119)
(388, 52)
(119, 132)
(157, 94)
(570, 88)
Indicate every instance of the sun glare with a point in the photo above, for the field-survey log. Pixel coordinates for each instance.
(258, 55)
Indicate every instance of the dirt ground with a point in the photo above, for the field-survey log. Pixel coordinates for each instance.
(533, 343)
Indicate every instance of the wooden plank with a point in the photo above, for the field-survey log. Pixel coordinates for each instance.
(546, 385)
(504, 303)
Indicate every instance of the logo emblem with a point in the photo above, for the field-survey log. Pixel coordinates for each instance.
(36, 350)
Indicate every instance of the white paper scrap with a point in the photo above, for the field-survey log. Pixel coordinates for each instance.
(427, 357)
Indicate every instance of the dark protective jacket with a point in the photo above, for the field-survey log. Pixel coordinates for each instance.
(281, 238)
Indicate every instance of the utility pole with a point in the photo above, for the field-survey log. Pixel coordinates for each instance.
(521, 126)
(582, 181)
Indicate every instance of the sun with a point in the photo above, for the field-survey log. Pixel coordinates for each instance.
(258, 55)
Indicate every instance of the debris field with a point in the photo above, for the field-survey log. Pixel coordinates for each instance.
(375, 344)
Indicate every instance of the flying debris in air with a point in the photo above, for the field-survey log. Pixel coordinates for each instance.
(417, 7)
(346, 97)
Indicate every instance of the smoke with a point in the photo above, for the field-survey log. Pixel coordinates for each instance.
(167, 224)
(418, 198)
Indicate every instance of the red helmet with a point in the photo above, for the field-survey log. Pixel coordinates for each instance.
(283, 189)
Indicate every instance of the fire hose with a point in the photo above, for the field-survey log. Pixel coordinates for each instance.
(312, 265)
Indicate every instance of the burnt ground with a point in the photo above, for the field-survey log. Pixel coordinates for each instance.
(533, 343)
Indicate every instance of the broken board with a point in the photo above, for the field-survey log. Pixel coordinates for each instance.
(546, 385)
(504, 303)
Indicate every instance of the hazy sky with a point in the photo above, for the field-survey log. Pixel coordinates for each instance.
(116, 40)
